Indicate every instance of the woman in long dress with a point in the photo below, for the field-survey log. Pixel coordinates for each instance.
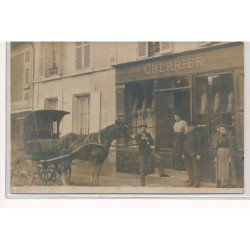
(224, 149)
(180, 128)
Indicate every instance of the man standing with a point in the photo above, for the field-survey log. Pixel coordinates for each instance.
(180, 127)
(191, 154)
(146, 145)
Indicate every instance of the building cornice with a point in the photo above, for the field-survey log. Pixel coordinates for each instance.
(182, 53)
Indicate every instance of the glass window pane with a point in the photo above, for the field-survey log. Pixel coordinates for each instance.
(213, 103)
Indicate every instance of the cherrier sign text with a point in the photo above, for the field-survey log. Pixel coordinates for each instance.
(157, 68)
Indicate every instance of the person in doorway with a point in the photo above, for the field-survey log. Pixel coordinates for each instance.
(225, 174)
(180, 127)
(213, 138)
(146, 150)
(191, 154)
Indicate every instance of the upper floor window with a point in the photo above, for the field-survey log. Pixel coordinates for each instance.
(82, 55)
(148, 49)
(21, 74)
(153, 48)
(49, 59)
(27, 69)
(51, 103)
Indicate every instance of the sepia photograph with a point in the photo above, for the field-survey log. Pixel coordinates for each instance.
(126, 117)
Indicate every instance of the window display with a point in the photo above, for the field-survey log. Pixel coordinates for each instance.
(140, 106)
(213, 99)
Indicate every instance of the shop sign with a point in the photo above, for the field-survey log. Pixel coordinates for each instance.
(158, 68)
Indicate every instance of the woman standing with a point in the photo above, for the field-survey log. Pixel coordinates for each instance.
(180, 128)
(224, 150)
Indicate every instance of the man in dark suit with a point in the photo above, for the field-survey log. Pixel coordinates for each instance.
(146, 150)
(191, 154)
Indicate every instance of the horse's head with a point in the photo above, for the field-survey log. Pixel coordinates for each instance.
(121, 130)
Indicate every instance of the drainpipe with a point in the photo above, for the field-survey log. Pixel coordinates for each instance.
(33, 75)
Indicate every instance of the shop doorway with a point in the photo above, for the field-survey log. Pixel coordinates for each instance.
(167, 103)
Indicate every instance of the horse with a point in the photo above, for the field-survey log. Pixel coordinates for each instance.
(95, 148)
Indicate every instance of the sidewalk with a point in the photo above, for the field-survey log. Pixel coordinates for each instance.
(123, 183)
(175, 179)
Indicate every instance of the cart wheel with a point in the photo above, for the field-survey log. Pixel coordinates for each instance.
(56, 171)
(49, 172)
(22, 173)
(45, 172)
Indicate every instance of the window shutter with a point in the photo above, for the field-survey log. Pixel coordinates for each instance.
(86, 54)
(78, 55)
(142, 49)
(48, 59)
(54, 54)
(27, 69)
(27, 56)
(27, 75)
(165, 47)
(95, 111)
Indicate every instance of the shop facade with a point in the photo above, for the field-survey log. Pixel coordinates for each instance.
(204, 85)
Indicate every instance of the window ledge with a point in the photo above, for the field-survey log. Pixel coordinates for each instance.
(45, 79)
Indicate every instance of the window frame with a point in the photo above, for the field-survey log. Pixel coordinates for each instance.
(55, 61)
(50, 99)
(159, 53)
(42, 60)
(76, 118)
(209, 113)
(27, 65)
(82, 47)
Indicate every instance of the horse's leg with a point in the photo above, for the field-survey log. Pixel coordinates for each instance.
(94, 163)
(96, 171)
(66, 172)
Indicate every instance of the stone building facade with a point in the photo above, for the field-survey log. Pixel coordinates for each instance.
(81, 78)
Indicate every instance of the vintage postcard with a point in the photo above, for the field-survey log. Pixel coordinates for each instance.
(126, 117)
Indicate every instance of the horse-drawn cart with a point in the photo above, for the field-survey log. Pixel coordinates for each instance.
(49, 156)
(41, 135)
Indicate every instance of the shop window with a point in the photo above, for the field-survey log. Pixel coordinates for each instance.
(82, 55)
(172, 83)
(81, 114)
(213, 98)
(140, 106)
(51, 103)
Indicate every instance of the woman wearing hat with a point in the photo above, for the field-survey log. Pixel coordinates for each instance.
(224, 149)
(180, 128)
